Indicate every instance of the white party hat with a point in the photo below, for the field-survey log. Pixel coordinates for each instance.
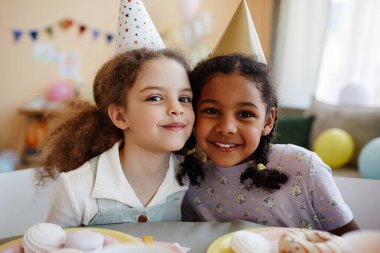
(240, 35)
(136, 28)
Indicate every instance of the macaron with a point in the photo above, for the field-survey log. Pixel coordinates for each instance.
(85, 240)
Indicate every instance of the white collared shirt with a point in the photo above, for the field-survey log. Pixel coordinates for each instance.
(75, 204)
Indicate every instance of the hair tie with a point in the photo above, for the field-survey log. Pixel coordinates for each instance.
(191, 152)
(261, 167)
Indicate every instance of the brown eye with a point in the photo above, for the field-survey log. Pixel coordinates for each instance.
(185, 99)
(245, 114)
(154, 98)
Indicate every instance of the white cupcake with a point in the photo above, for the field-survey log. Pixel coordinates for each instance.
(43, 237)
(85, 240)
(249, 242)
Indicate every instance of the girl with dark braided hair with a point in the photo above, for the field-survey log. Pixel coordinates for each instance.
(242, 174)
(115, 158)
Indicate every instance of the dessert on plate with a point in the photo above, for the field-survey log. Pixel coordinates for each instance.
(51, 238)
(249, 242)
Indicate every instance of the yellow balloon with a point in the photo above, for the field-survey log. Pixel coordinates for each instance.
(334, 146)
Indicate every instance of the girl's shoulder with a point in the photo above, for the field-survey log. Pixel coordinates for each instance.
(81, 173)
(289, 155)
(288, 149)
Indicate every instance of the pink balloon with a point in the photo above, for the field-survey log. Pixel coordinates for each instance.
(60, 91)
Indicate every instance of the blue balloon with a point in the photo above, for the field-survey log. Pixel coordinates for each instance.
(369, 160)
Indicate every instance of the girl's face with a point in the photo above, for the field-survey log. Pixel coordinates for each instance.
(159, 116)
(230, 119)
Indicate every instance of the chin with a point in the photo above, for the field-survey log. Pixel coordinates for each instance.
(224, 164)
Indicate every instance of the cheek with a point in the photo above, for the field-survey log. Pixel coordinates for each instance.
(201, 130)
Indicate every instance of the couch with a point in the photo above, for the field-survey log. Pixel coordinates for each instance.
(302, 126)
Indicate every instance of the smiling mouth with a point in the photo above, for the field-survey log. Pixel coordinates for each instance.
(176, 126)
(223, 147)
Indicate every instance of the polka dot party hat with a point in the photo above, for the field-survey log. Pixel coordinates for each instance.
(240, 35)
(136, 28)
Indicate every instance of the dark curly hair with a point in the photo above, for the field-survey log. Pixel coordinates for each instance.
(259, 74)
(82, 130)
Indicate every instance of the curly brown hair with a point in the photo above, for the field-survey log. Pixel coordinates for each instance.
(82, 130)
(259, 74)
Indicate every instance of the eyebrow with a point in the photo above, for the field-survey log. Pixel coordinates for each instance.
(160, 88)
(213, 101)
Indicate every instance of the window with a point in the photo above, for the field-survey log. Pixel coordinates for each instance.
(350, 65)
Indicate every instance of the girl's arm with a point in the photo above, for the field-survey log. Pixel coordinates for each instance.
(327, 197)
(351, 226)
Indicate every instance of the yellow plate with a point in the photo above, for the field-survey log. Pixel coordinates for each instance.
(222, 244)
(120, 236)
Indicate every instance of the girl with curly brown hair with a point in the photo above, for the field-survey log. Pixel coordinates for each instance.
(114, 160)
(245, 175)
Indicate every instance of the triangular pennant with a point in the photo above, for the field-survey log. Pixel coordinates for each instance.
(136, 28)
(109, 37)
(240, 35)
(34, 34)
(49, 31)
(65, 24)
(95, 34)
(82, 29)
(17, 35)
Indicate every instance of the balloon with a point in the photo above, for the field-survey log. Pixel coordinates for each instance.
(335, 147)
(60, 91)
(369, 160)
(354, 95)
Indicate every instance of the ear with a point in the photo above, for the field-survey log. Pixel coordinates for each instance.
(269, 121)
(117, 115)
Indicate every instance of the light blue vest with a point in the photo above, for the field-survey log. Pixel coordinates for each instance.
(112, 211)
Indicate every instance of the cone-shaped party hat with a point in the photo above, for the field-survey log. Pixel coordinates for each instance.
(240, 35)
(136, 28)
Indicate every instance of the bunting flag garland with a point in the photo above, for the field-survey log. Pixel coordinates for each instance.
(64, 25)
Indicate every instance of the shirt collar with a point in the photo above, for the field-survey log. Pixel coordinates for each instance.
(111, 183)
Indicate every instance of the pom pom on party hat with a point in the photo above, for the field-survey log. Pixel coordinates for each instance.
(136, 28)
(240, 35)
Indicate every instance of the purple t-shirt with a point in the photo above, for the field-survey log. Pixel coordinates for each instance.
(309, 199)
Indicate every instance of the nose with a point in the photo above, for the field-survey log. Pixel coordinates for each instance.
(175, 109)
(226, 125)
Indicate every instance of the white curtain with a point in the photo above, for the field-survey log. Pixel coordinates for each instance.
(298, 50)
(322, 46)
(351, 54)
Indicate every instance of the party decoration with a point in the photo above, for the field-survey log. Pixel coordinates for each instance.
(60, 91)
(355, 95)
(82, 29)
(17, 35)
(135, 28)
(64, 24)
(49, 31)
(33, 34)
(369, 160)
(240, 35)
(335, 147)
